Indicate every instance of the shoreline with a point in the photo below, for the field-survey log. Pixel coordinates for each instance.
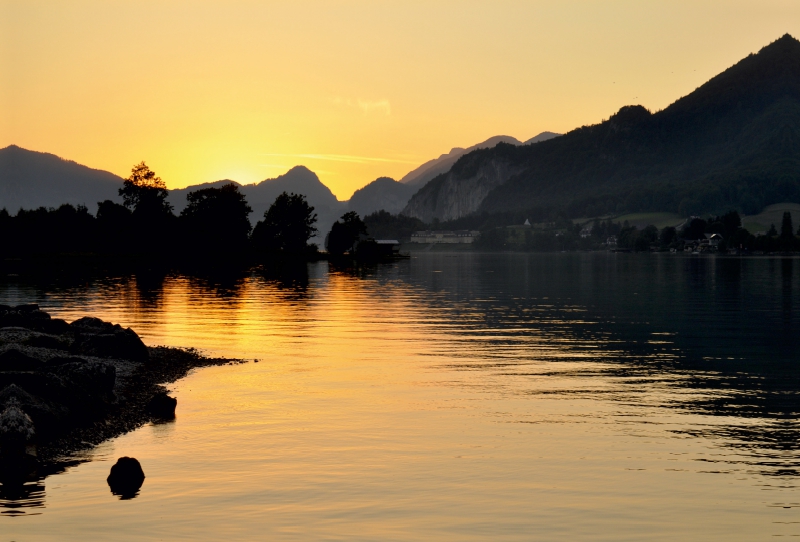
(166, 365)
(67, 387)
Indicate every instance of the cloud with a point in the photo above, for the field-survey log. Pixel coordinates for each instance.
(379, 107)
(345, 158)
(284, 167)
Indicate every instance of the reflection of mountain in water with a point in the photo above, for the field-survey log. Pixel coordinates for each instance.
(714, 337)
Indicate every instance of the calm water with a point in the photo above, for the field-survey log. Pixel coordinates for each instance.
(452, 397)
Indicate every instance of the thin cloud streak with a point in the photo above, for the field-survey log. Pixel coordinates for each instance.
(287, 168)
(367, 106)
(345, 158)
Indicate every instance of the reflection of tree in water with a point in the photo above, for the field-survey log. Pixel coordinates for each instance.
(290, 275)
(354, 269)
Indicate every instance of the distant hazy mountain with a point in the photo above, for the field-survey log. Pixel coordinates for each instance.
(30, 179)
(260, 196)
(383, 193)
(437, 166)
(734, 143)
(544, 136)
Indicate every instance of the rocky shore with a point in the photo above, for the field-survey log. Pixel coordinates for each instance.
(69, 386)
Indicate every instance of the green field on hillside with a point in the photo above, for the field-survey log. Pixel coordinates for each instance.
(640, 220)
(772, 214)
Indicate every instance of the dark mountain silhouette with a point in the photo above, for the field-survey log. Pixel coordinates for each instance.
(437, 166)
(732, 143)
(260, 196)
(30, 179)
(381, 194)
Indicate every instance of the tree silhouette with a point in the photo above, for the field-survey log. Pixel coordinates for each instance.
(344, 235)
(144, 193)
(216, 219)
(287, 226)
(152, 221)
(787, 232)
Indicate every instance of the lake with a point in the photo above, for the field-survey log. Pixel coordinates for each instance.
(456, 396)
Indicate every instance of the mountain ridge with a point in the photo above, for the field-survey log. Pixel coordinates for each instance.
(732, 143)
(32, 179)
(427, 171)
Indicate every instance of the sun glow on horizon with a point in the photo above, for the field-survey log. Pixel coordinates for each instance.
(354, 90)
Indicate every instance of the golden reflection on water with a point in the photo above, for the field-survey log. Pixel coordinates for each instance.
(438, 398)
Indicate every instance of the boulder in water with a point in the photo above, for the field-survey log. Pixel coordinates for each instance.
(126, 477)
(162, 406)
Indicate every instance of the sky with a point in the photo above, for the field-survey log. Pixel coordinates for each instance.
(354, 90)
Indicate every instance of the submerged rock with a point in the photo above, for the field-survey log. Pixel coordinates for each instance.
(126, 477)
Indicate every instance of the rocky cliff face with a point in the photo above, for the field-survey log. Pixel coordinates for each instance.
(461, 190)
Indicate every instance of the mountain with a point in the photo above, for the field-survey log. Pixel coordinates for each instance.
(544, 136)
(260, 196)
(383, 193)
(30, 179)
(437, 166)
(732, 143)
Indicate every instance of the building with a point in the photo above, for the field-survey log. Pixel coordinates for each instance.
(388, 247)
(445, 236)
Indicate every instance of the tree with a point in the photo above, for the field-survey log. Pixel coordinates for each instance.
(215, 219)
(345, 234)
(787, 231)
(731, 222)
(695, 229)
(152, 224)
(144, 193)
(668, 236)
(650, 233)
(114, 226)
(287, 226)
(772, 232)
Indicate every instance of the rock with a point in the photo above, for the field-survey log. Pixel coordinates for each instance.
(95, 378)
(114, 343)
(16, 430)
(54, 326)
(126, 477)
(14, 360)
(42, 413)
(89, 324)
(23, 309)
(162, 406)
(47, 341)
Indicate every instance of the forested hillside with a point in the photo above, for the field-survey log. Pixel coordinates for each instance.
(734, 143)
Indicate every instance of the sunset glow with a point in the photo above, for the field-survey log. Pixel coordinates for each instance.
(354, 90)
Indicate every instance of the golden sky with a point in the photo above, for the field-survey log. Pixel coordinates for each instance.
(353, 90)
